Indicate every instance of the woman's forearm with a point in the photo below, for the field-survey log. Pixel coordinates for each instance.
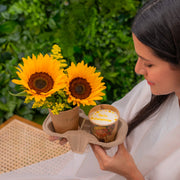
(136, 175)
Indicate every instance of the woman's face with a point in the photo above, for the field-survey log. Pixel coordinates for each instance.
(160, 75)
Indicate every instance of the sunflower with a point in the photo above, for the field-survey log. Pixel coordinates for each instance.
(41, 77)
(84, 84)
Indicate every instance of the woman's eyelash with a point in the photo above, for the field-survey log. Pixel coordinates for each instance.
(148, 65)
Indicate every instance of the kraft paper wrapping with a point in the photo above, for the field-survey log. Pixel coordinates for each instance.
(65, 120)
(79, 139)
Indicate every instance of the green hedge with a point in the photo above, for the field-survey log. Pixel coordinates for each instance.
(97, 31)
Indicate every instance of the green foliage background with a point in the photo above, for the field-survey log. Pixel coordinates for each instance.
(97, 31)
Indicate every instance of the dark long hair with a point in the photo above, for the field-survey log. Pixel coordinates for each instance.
(157, 25)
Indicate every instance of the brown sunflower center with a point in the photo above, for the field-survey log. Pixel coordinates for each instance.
(80, 88)
(41, 82)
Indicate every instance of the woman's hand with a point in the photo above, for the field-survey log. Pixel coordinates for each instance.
(62, 141)
(121, 163)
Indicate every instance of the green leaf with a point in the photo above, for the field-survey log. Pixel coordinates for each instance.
(86, 109)
(52, 23)
(11, 106)
(18, 94)
(3, 106)
(8, 26)
(2, 40)
(2, 8)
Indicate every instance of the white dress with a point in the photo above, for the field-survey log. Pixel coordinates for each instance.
(154, 145)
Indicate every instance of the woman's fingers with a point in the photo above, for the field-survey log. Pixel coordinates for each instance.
(100, 154)
(62, 141)
(53, 138)
(107, 162)
(121, 149)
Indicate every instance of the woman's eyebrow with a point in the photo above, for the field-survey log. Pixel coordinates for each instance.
(142, 57)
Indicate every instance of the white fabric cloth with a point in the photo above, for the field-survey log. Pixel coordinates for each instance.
(154, 145)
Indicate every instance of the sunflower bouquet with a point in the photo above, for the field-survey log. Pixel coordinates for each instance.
(49, 82)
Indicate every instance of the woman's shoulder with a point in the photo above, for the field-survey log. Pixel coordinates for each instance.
(142, 86)
(134, 100)
(140, 91)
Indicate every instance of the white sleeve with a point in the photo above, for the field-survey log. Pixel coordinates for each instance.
(138, 97)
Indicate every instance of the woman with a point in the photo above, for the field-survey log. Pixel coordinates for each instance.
(152, 148)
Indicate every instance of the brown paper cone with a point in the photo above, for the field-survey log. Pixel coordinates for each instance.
(65, 120)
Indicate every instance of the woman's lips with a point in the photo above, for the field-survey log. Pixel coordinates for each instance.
(150, 83)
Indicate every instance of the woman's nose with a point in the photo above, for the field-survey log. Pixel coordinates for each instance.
(139, 68)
